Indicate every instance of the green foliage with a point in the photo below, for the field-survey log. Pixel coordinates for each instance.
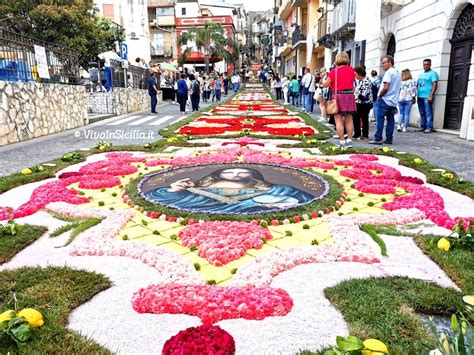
(210, 40)
(386, 309)
(77, 228)
(69, 23)
(462, 237)
(455, 262)
(54, 292)
(12, 244)
(17, 329)
(373, 234)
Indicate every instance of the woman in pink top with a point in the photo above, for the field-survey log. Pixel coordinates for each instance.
(341, 83)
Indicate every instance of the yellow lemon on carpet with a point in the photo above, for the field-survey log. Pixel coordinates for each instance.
(448, 176)
(7, 315)
(468, 299)
(417, 161)
(34, 318)
(386, 149)
(375, 346)
(101, 147)
(444, 244)
(26, 171)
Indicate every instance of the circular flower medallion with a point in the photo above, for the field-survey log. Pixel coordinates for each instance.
(236, 188)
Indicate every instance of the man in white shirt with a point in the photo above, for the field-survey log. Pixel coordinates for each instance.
(387, 101)
(111, 54)
(308, 87)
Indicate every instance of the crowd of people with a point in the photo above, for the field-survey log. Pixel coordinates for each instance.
(347, 95)
(191, 88)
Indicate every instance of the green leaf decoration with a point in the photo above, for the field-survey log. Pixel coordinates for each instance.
(22, 333)
(350, 344)
(454, 323)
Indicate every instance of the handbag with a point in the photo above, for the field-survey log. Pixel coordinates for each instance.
(331, 106)
(318, 94)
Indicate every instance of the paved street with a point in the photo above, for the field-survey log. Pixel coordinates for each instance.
(445, 150)
(137, 128)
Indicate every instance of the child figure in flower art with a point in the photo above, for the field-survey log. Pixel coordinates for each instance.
(232, 190)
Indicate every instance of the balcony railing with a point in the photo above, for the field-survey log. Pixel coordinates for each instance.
(344, 16)
(323, 26)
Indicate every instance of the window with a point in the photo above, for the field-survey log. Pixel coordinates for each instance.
(159, 44)
(183, 11)
(164, 11)
(108, 10)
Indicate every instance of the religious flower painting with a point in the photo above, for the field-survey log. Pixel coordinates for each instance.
(233, 188)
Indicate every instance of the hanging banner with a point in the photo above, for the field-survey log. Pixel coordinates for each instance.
(41, 62)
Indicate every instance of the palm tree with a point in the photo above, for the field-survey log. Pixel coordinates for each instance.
(209, 39)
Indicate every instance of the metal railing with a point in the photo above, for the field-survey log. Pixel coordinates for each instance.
(323, 25)
(131, 77)
(18, 61)
(299, 34)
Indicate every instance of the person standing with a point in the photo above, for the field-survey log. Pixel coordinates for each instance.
(226, 84)
(324, 94)
(152, 91)
(195, 92)
(308, 87)
(182, 93)
(277, 85)
(111, 54)
(387, 100)
(376, 82)
(285, 83)
(295, 89)
(364, 100)
(427, 85)
(341, 83)
(406, 100)
(218, 89)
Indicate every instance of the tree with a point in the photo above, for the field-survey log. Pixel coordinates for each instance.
(210, 40)
(71, 23)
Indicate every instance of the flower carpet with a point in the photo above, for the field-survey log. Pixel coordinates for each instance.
(198, 265)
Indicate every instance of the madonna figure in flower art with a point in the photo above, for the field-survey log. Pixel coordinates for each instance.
(231, 190)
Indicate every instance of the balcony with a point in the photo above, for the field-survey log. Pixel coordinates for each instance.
(324, 37)
(285, 10)
(344, 19)
(161, 21)
(299, 35)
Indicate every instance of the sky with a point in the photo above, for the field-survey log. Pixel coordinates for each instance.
(254, 5)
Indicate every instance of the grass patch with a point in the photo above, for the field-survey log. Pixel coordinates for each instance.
(373, 234)
(464, 187)
(53, 291)
(385, 309)
(77, 228)
(458, 263)
(10, 245)
(335, 191)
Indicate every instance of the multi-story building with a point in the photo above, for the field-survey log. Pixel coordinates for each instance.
(297, 32)
(162, 22)
(132, 15)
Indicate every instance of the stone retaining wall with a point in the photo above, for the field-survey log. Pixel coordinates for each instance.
(132, 100)
(119, 101)
(29, 110)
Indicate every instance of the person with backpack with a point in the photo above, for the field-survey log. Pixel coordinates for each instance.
(195, 92)
(364, 102)
(182, 94)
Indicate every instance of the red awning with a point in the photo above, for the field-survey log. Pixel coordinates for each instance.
(197, 57)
